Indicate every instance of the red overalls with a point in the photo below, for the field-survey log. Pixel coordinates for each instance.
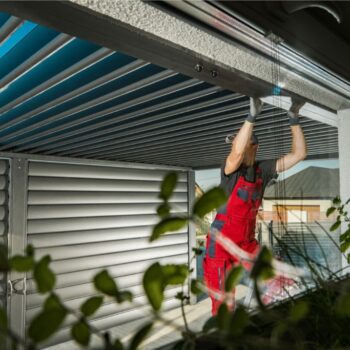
(237, 221)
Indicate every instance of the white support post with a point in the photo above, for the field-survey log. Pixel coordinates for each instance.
(344, 163)
(17, 243)
(192, 262)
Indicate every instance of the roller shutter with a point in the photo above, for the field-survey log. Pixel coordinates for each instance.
(4, 196)
(90, 218)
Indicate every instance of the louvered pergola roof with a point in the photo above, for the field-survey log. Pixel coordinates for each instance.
(64, 96)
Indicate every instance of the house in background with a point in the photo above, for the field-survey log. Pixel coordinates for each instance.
(304, 196)
(294, 219)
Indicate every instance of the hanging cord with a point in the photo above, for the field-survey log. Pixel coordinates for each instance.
(278, 135)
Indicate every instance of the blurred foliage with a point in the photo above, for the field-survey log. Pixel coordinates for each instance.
(318, 319)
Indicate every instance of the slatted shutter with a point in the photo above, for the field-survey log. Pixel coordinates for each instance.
(4, 196)
(89, 218)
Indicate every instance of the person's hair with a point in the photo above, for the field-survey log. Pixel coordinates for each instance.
(230, 137)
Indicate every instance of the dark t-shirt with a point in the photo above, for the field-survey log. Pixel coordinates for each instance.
(268, 172)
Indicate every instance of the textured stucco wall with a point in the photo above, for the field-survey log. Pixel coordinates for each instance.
(145, 18)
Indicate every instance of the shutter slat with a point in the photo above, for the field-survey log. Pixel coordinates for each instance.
(98, 172)
(41, 240)
(93, 210)
(89, 262)
(72, 184)
(4, 166)
(3, 182)
(86, 276)
(75, 197)
(101, 248)
(107, 308)
(77, 224)
(112, 321)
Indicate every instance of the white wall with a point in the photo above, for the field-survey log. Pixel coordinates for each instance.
(344, 159)
(324, 204)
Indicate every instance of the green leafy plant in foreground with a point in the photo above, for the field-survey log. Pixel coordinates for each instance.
(314, 321)
(54, 312)
(340, 208)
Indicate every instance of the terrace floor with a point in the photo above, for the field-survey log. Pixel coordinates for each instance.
(161, 335)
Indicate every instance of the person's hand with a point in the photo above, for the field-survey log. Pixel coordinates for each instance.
(256, 106)
(296, 106)
(293, 112)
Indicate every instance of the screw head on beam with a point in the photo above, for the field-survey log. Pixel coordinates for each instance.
(198, 67)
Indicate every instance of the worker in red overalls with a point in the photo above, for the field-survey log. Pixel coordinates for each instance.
(244, 180)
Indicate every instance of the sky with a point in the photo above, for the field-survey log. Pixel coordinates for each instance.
(210, 178)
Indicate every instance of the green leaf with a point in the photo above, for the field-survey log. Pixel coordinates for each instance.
(30, 250)
(335, 225)
(163, 210)
(348, 201)
(344, 236)
(140, 336)
(197, 251)
(3, 319)
(124, 296)
(262, 269)
(299, 311)
(53, 302)
(81, 333)
(330, 211)
(118, 345)
(4, 261)
(336, 200)
(174, 274)
(211, 323)
(107, 340)
(223, 317)
(168, 186)
(233, 278)
(210, 200)
(180, 295)
(345, 246)
(157, 277)
(168, 225)
(46, 324)
(105, 283)
(22, 263)
(154, 286)
(239, 321)
(90, 306)
(194, 287)
(348, 258)
(44, 277)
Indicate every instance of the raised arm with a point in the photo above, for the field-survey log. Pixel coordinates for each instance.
(242, 139)
(299, 150)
